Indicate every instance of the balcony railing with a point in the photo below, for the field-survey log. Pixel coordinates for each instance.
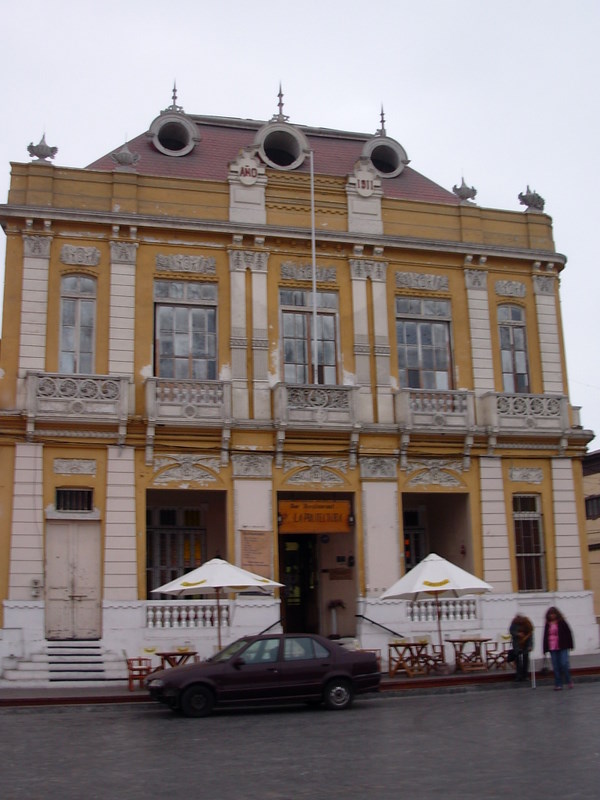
(524, 412)
(72, 398)
(187, 402)
(191, 614)
(310, 404)
(418, 408)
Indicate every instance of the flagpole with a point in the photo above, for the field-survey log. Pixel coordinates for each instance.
(314, 268)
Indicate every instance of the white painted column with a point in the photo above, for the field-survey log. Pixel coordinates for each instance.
(260, 339)
(385, 398)
(496, 528)
(479, 324)
(252, 499)
(381, 526)
(27, 534)
(122, 308)
(120, 540)
(34, 304)
(544, 287)
(568, 546)
(239, 335)
(362, 346)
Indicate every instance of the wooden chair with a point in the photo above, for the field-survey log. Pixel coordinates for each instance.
(496, 653)
(138, 670)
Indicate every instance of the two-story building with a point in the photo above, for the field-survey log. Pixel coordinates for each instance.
(286, 347)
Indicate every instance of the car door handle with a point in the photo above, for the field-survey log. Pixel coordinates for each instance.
(272, 669)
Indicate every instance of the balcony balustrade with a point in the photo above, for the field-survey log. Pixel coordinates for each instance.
(450, 410)
(314, 405)
(516, 413)
(187, 614)
(187, 402)
(76, 398)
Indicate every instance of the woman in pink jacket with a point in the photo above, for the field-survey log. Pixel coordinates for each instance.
(558, 640)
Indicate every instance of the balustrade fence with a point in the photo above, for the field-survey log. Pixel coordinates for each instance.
(196, 614)
(459, 608)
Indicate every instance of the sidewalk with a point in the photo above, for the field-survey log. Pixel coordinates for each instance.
(583, 668)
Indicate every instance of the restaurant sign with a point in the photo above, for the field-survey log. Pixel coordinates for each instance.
(314, 516)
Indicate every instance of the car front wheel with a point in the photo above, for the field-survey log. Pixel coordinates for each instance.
(338, 694)
(197, 701)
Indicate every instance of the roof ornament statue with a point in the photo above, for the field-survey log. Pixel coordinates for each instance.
(532, 200)
(280, 116)
(464, 192)
(124, 158)
(41, 151)
(381, 131)
(174, 107)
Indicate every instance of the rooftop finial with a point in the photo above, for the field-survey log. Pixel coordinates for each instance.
(174, 106)
(381, 131)
(280, 116)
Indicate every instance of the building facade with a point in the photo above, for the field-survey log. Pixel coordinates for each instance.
(285, 347)
(591, 486)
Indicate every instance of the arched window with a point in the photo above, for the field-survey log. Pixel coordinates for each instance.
(77, 324)
(513, 348)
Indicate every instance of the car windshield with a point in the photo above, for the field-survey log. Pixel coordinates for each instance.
(229, 651)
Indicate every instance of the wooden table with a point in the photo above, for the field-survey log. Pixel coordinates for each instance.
(469, 659)
(409, 657)
(175, 658)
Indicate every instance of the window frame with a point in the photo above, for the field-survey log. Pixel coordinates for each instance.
(79, 298)
(301, 306)
(421, 318)
(531, 564)
(512, 325)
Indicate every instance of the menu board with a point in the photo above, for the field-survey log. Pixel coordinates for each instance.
(256, 552)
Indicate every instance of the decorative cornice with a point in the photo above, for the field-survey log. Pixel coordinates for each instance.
(421, 281)
(184, 469)
(80, 256)
(323, 471)
(181, 262)
(434, 471)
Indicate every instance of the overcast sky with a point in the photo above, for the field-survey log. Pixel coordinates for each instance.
(504, 93)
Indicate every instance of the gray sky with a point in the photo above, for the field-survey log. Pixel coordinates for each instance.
(504, 93)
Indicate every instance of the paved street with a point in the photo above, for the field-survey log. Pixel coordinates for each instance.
(477, 744)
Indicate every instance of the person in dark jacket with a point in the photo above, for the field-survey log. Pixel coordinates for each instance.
(521, 631)
(558, 640)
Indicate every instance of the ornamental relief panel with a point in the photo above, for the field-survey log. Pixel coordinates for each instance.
(526, 474)
(241, 260)
(183, 470)
(80, 256)
(543, 284)
(434, 472)
(379, 468)
(252, 465)
(421, 281)
(37, 246)
(363, 268)
(510, 288)
(323, 471)
(74, 466)
(123, 252)
(291, 270)
(181, 262)
(476, 279)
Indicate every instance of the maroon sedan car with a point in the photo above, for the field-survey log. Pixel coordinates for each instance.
(269, 669)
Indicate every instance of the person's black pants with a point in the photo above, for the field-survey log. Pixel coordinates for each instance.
(522, 664)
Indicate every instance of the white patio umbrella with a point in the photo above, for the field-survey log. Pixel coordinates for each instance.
(216, 575)
(434, 577)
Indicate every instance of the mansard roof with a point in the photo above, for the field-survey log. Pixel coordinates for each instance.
(221, 139)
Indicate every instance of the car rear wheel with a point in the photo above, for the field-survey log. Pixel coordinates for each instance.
(197, 701)
(338, 694)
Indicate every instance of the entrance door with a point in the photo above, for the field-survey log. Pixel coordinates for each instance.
(298, 571)
(73, 580)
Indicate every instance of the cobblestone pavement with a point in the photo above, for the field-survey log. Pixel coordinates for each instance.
(456, 745)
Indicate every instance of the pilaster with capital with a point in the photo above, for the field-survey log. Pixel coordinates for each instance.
(238, 264)
(34, 302)
(479, 323)
(123, 257)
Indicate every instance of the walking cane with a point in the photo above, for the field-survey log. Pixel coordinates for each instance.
(532, 667)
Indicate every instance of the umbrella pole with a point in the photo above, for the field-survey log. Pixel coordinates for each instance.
(439, 622)
(218, 617)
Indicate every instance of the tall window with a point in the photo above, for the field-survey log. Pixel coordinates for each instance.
(175, 543)
(297, 325)
(513, 348)
(529, 543)
(77, 324)
(423, 341)
(186, 329)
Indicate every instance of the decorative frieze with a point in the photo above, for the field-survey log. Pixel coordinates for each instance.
(421, 281)
(79, 255)
(510, 288)
(322, 471)
(37, 246)
(74, 466)
(184, 469)
(378, 468)
(254, 260)
(123, 252)
(526, 474)
(290, 270)
(252, 465)
(361, 268)
(181, 262)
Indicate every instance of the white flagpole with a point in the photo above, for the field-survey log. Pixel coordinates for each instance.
(314, 269)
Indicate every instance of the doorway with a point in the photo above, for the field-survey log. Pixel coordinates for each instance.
(298, 571)
(73, 609)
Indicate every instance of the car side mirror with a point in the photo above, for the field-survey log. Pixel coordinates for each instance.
(238, 662)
